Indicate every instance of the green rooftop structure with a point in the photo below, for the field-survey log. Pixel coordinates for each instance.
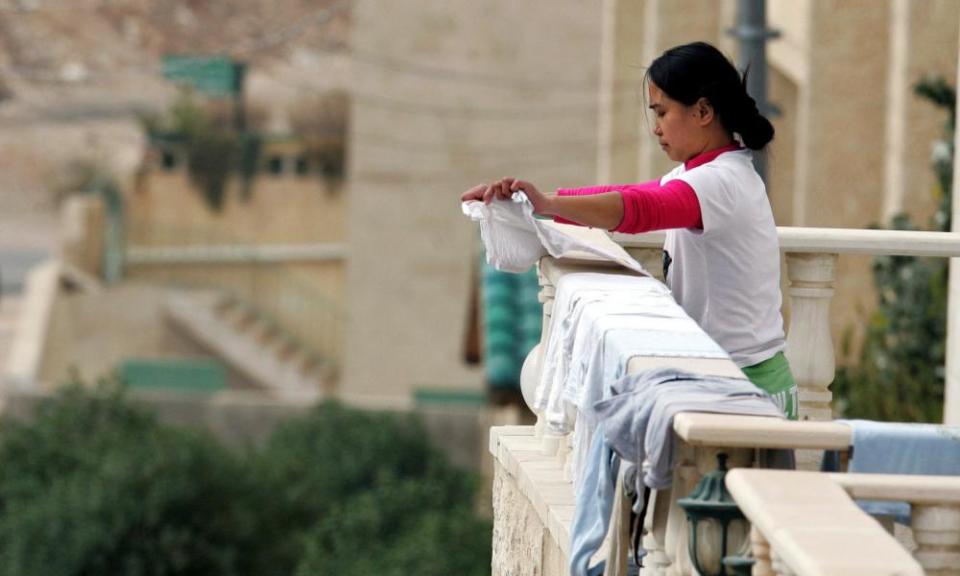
(216, 76)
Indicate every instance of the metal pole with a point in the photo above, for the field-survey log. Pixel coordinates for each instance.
(752, 34)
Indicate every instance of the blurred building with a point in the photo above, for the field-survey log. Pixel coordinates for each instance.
(375, 276)
(449, 96)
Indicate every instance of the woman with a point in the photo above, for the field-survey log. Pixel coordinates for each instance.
(721, 255)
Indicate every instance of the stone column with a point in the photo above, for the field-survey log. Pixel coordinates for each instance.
(951, 399)
(621, 78)
(809, 344)
(937, 532)
(655, 525)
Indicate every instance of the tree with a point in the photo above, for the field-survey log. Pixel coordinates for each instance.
(96, 486)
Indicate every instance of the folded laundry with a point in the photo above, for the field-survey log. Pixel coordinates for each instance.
(573, 293)
(600, 322)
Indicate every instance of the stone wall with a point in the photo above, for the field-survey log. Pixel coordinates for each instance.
(447, 95)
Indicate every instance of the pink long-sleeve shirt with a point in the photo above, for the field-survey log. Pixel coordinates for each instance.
(649, 206)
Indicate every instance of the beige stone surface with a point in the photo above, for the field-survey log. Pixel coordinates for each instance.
(913, 488)
(305, 298)
(753, 431)
(790, 509)
(166, 209)
(932, 51)
(93, 333)
(518, 533)
(449, 94)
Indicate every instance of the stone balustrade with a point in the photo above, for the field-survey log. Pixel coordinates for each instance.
(533, 495)
(806, 524)
(811, 257)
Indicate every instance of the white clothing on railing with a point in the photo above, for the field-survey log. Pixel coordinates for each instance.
(515, 239)
(574, 291)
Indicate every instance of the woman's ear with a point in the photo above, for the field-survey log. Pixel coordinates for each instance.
(704, 111)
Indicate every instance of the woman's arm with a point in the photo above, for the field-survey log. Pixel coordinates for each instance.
(602, 210)
(642, 207)
(630, 208)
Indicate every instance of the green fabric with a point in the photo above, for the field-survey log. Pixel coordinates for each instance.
(774, 377)
(512, 316)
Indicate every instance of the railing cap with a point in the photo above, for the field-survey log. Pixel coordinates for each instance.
(839, 241)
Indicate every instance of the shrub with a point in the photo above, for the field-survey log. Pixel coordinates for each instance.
(361, 488)
(95, 486)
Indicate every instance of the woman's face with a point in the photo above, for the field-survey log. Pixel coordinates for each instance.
(678, 127)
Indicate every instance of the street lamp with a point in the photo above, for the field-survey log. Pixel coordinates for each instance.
(716, 524)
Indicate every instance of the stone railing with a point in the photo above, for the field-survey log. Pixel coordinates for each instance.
(789, 536)
(532, 463)
(811, 257)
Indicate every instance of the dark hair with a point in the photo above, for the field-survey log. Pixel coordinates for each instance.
(698, 70)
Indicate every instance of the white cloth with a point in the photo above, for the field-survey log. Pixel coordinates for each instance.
(515, 239)
(651, 326)
(737, 251)
(572, 292)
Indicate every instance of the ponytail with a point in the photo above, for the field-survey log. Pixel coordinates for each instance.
(698, 70)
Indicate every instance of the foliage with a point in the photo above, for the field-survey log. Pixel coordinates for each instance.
(95, 486)
(356, 482)
(321, 123)
(214, 146)
(900, 371)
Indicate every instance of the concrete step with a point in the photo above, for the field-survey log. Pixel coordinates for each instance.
(235, 332)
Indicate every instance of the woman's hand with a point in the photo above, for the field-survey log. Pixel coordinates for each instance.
(541, 202)
(503, 189)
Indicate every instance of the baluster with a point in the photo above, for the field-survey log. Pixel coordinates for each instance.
(937, 532)
(779, 566)
(685, 476)
(546, 297)
(809, 344)
(655, 525)
(761, 553)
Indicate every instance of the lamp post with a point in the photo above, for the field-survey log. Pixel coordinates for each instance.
(716, 524)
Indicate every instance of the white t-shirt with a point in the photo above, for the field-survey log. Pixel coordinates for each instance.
(727, 276)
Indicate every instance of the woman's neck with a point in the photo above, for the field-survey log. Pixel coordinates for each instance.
(714, 141)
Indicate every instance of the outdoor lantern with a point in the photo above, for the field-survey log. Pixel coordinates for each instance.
(717, 526)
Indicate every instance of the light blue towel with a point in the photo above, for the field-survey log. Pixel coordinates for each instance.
(594, 502)
(900, 448)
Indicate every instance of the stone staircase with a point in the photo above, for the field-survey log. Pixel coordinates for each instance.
(251, 344)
